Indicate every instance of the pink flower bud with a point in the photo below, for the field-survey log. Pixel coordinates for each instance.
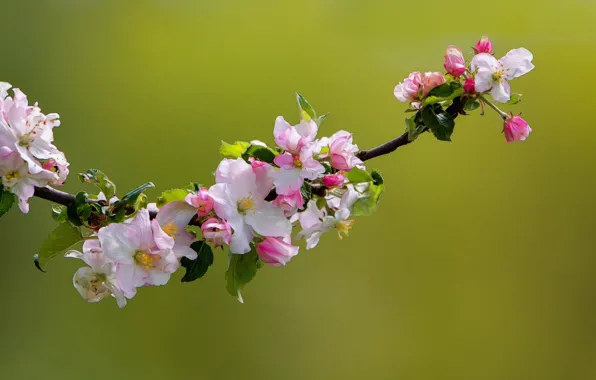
(276, 251)
(334, 180)
(50, 165)
(469, 86)
(455, 64)
(430, 81)
(343, 152)
(202, 201)
(409, 89)
(289, 203)
(516, 129)
(217, 232)
(483, 46)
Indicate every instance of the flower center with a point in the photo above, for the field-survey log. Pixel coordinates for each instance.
(13, 175)
(170, 229)
(25, 140)
(297, 162)
(344, 227)
(246, 204)
(146, 260)
(498, 75)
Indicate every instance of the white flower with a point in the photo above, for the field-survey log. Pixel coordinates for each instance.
(98, 279)
(493, 74)
(315, 222)
(239, 201)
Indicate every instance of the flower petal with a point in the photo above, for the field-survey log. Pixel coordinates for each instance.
(517, 63)
(269, 221)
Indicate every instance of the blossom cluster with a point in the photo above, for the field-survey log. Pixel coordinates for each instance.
(485, 75)
(28, 157)
(260, 194)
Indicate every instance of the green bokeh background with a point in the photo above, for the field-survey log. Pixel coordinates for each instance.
(480, 264)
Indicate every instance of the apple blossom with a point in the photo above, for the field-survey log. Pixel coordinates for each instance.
(217, 232)
(493, 74)
(276, 251)
(342, 152)
(516, 129)
(290, 204)
(142, 251)
(238, 201)
(469, 86)
(173, 218)
(409, 89)
(98, 279)
(316, 222)
(293, 138)
(334, 180)
(431, 80)
(295, 169)
(202, 201)
(483, 46)
(455, 64)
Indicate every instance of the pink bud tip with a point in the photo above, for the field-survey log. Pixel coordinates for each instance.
(516, 129)
(483, 46)
(469, 86)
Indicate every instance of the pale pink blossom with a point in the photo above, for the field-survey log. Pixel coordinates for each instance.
(483, 46)
(293, 137)
(276, 251)
(290, 204)
(455, 64)
(342, 151)
(469, 86)
(294, 169)
(217, 232)
(431, 80)
(493, 74)
(17, 179)
(238, 200)
(516, 129)
(334, 180)
(142, 251)
(409, 89)
(201, 201)
(173, 219)
(265, 174)
(315, 222)
(98, 279)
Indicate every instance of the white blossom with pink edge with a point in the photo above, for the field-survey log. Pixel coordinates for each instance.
(342, 152)
(217, 231)
(142, 251)
(295, 169)
(98, 279)
(240, 200)
(276, 251)
(493, 74)
(409, 89)
(293, 138)
(290, 204)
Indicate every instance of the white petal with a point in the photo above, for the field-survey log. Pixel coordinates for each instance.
(225, 207)
(118, 243)
(517, 63)
(483, 80)
(178, 212)
(269, 221)
(141, 226)
(287, 181)
(241, 237)
(484, 61)
(501, 91)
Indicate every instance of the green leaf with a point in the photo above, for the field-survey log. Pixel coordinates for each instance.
(72, 211)
(6, 200)
(441, 123)
(319, 120)
(98, 179)
(261, 153)
(377, 177)
(306, 191)
(61, 239)
(233, 150)
(445, 90)
(241, 270)
(131, 197)
(171, 196)
(59, 213)
(357, 175)
(197, 268)
(515, 98)
(471, 104)
(414, 127)
(306, 111)
(368, 203)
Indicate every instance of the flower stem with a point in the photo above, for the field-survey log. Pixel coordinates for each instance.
(493, 106)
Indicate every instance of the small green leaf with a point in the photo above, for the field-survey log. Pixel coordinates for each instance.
(445, 90)
(357, 175)
(61, 239)
(171, 196)
(441, 123)
(367, 204)
(100, 180)
(233, 150)
(261, 153)
(72, 211)
(306, 191)
(471, 104)
(6, 200)
(59, 213)
(306, 111)
(377, 177)
(319, 120)
(414, 127)
(515, 98)
(197, 268)
(241, 270)
(131, 197)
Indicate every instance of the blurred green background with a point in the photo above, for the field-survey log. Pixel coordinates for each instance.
(480, 264)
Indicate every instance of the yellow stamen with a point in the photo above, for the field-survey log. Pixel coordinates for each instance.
(297, 162)
(170, 229)
(344, 227)
(146, 260)
(246, 204)
(498, 76)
